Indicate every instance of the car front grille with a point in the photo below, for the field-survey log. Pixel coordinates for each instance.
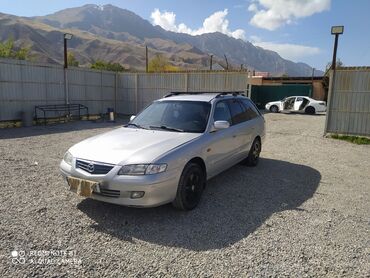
(93, 167)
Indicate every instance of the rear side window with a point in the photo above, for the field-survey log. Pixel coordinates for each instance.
(250, 110)
(222, 112)
(238, 114)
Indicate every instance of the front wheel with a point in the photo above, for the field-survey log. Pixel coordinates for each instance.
(254, 153)
(190, 187)
(274, 109)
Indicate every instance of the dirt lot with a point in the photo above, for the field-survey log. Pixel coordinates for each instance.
(304, 211)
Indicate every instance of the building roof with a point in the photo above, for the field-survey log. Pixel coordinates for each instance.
(287, 78)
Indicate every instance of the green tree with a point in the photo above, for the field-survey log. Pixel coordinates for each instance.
(7, 50)
(102, 65)
(339, 64)
(160, 63)
(71, 59)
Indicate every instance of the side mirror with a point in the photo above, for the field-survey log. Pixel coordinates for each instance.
(132, 118)
(221, 125)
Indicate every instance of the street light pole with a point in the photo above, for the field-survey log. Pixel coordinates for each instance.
(335, 30)
(65, 54)
(334, 62)
(65, 38)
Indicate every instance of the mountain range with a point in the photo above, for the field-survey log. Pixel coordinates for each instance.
(113, 34)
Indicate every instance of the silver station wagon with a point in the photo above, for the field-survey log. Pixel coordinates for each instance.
(167, 153)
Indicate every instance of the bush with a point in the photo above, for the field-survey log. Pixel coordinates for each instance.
(160, 64)
(102, 65)
(7, 50)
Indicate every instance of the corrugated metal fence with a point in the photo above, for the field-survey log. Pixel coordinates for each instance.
(349, 102)
(23, 85)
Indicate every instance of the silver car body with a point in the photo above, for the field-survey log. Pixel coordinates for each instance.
(217, 150)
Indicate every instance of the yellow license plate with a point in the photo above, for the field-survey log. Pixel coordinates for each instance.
(84, 188)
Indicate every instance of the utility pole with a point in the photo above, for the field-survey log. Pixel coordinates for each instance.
(211, 62)
(146, 59)
(227, 62)
(313, 74)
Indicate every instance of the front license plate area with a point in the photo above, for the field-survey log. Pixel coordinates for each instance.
(81, 187)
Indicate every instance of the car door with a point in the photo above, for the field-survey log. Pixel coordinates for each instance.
(288, 104)
(297, 103)
(221, 144)
(253, 125)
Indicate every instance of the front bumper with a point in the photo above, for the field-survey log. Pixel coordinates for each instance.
(159, 188)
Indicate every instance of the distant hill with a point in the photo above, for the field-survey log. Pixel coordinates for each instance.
(114, 34)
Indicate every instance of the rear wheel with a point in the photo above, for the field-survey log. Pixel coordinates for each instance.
(310, 110)
(254, 153)
(190, 187)
(274, 109)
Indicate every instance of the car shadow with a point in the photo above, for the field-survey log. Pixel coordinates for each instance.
(234, 205)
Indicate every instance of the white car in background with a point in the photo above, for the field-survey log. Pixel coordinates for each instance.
(297, 104)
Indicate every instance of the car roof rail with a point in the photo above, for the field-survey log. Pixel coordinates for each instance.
(186, 93)
(230, 93)
(234, 93)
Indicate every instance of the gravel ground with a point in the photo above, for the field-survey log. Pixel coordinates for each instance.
(303, 212)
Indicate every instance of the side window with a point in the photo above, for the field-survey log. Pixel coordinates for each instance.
(299, 99)
(237, 112)
(250, 110)
(222, 112)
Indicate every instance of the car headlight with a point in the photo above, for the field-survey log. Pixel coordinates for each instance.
(68, 158)
(142, 169)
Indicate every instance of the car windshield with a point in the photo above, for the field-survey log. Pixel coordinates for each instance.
(174, 116)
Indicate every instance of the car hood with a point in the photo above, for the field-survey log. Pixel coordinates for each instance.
(130, 146)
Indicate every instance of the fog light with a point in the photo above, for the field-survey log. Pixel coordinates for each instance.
(137, 194)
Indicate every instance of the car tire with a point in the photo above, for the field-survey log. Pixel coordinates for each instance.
(310, 110)
(190, 188)
(274, 109)
(254, 154)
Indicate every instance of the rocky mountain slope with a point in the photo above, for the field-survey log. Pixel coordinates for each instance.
(114, 34)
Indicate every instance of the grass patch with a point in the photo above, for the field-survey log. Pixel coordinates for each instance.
(352, 139)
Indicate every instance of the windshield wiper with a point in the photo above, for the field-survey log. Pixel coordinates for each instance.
(167, 128)
(135, 125)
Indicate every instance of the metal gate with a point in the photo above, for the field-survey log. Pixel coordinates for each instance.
(266, 93)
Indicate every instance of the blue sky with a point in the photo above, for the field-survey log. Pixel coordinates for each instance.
(297, 29)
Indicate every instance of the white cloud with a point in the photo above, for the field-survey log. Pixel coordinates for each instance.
(217, 22)
(294, 52)
(167, 20)
(271, 14)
